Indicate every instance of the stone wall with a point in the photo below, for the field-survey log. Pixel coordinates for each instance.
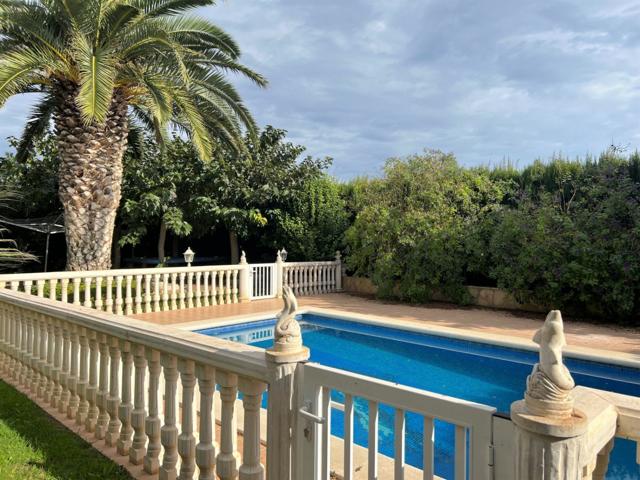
(481, 296)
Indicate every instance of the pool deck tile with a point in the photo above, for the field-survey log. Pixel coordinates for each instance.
(519, 325)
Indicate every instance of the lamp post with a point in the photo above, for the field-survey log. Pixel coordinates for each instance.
(283, 254)
(188, 256)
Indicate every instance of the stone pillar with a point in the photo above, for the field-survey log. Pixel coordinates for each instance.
(281, 418)
(244, 280)
(285, 358)
(561, 432)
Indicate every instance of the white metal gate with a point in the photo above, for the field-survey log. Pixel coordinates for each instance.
(263, 280)
(473, 427)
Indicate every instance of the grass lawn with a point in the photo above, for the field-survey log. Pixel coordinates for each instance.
(35, 446)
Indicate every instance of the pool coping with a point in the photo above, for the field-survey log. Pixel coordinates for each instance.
(572, 351)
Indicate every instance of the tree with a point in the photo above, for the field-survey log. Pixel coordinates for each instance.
(105, 69)
(249, 190)
(156, 192)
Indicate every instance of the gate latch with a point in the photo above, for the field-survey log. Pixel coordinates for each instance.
(304, 412)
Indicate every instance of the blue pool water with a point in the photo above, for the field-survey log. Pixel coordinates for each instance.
(478, 372)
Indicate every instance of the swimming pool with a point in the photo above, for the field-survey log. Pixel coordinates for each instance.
(478, 372)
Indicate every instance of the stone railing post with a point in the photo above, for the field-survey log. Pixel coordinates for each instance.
(279, 274)
(338, 262)
(285, 358)
(244, 280)
(561, 432)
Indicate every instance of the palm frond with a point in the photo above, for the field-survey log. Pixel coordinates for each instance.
(157, 8)
(37, 126)
(97, 80)
(21, 68)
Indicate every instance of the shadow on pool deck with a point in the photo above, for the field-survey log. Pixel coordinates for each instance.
(468, 319)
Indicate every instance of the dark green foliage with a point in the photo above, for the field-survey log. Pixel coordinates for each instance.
(563, 234)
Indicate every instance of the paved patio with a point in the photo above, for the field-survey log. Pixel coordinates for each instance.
(479, 320)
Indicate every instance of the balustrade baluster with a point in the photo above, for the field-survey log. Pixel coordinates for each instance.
(27, 286)
(126, 407)
(147, 293)
(83, 378)
(251, 468)
(92, 387)
(227, 286)
(64, 290)
(72, 379)
(152, 422)
(205, 450)
(13, 332)
(205, 293)
(234, 285)
(156, 292)
(119, 302)
(128, 300)
(99, 303)
(76, 291)
(137, 450)
(221, 287)
(35, 354)
(42, 363)
(138, 298)
(198, 289)
(103, 386)
(186, 440)
(108, 303)
(3, 336)
(25, 374)
(87, 292)
(174, 291)
(182, 290)
(165, 292)
(169, 431)
(214, 291)
(113, 399)
(57, 364)
(63, 403)
(40, 290)
(53, 284)
(190, 289)
(228, 459)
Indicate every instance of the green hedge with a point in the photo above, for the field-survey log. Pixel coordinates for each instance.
(562, 234)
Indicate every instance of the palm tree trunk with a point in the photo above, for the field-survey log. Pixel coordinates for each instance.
(90, 179)
(162, 237)
(233, 247)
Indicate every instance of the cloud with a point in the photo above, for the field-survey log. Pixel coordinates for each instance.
(364, 80)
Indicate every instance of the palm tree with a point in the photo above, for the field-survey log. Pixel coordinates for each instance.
(105, 71)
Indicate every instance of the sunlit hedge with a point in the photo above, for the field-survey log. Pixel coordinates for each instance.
(563, 233)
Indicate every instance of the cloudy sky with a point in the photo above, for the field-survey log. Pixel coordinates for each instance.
(363, 80)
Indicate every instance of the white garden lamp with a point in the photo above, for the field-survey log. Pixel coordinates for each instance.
(283, 254)
(188, 256)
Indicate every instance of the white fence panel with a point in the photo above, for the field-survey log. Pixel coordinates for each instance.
(473, 426)
(263, 280)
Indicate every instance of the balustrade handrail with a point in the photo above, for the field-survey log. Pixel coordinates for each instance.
(122, 272)
(244, 360)
(309, 264)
